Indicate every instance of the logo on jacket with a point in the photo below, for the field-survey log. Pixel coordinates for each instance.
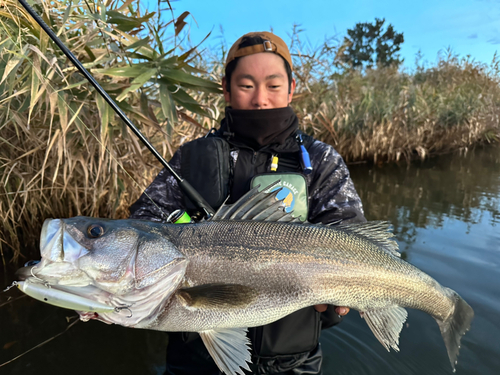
(287, 196)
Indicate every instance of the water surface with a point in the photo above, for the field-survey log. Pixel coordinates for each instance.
(446, 216)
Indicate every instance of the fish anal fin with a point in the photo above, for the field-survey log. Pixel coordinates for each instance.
(386, 324)
(217, 296)
(229, 348)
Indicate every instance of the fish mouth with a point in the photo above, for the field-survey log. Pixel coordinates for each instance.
(60, 253)
(50, 239)
(56, 244)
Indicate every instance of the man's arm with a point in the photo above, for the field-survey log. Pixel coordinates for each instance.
(332, 196)
(162, 197)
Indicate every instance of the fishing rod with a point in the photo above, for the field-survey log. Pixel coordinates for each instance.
(186, 187)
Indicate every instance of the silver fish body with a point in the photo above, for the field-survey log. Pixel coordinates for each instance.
(291, 266)
(221, 276)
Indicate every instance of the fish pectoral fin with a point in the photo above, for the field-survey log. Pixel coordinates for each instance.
(229, 348)
(386, 324)
(217, 296)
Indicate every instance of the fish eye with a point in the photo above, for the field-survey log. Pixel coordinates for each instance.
(95, 230)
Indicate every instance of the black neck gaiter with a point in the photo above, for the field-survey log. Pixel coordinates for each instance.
(261, 127)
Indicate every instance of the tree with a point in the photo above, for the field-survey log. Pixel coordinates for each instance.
(368, 44)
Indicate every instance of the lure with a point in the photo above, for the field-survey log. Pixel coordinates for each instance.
(60, 298)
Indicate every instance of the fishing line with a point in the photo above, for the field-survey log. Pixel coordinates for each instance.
(10, 300)
(14, 284)
(39, 345)
(76, 117)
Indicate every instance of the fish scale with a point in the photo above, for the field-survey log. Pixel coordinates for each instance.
(281, 255)
(220, 277)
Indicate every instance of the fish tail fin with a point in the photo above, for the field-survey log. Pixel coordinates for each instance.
(455, 326)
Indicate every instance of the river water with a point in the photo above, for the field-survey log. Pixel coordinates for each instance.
(446, 218)
(446, 215)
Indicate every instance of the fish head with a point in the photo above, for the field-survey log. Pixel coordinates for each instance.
(85, 251)
(115, 255)
(120, 262)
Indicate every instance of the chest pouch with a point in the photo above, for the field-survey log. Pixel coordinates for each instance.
(205, 165)
(293, 191)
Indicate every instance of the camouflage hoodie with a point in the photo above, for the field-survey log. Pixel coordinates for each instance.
(332, 195)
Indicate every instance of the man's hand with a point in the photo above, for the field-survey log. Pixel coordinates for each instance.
(341, 310)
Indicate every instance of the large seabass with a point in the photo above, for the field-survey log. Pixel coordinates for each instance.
(235, 271)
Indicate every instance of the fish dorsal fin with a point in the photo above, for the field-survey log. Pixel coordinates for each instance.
(378, 232)
(218, 296)
(334, 223)
(256, 206)
(229, 348)
(386, 324)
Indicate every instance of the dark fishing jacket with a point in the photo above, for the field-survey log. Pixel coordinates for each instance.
(292, 341)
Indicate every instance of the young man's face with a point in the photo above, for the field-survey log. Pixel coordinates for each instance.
(259, 82)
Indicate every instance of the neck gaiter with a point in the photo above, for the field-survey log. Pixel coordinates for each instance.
(261, 127)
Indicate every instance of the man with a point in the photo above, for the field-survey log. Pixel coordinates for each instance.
(261, 131)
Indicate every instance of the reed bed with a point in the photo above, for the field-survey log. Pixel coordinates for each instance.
(63, 152)
(388, 114)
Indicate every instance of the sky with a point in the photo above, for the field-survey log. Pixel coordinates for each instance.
(468, 27)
